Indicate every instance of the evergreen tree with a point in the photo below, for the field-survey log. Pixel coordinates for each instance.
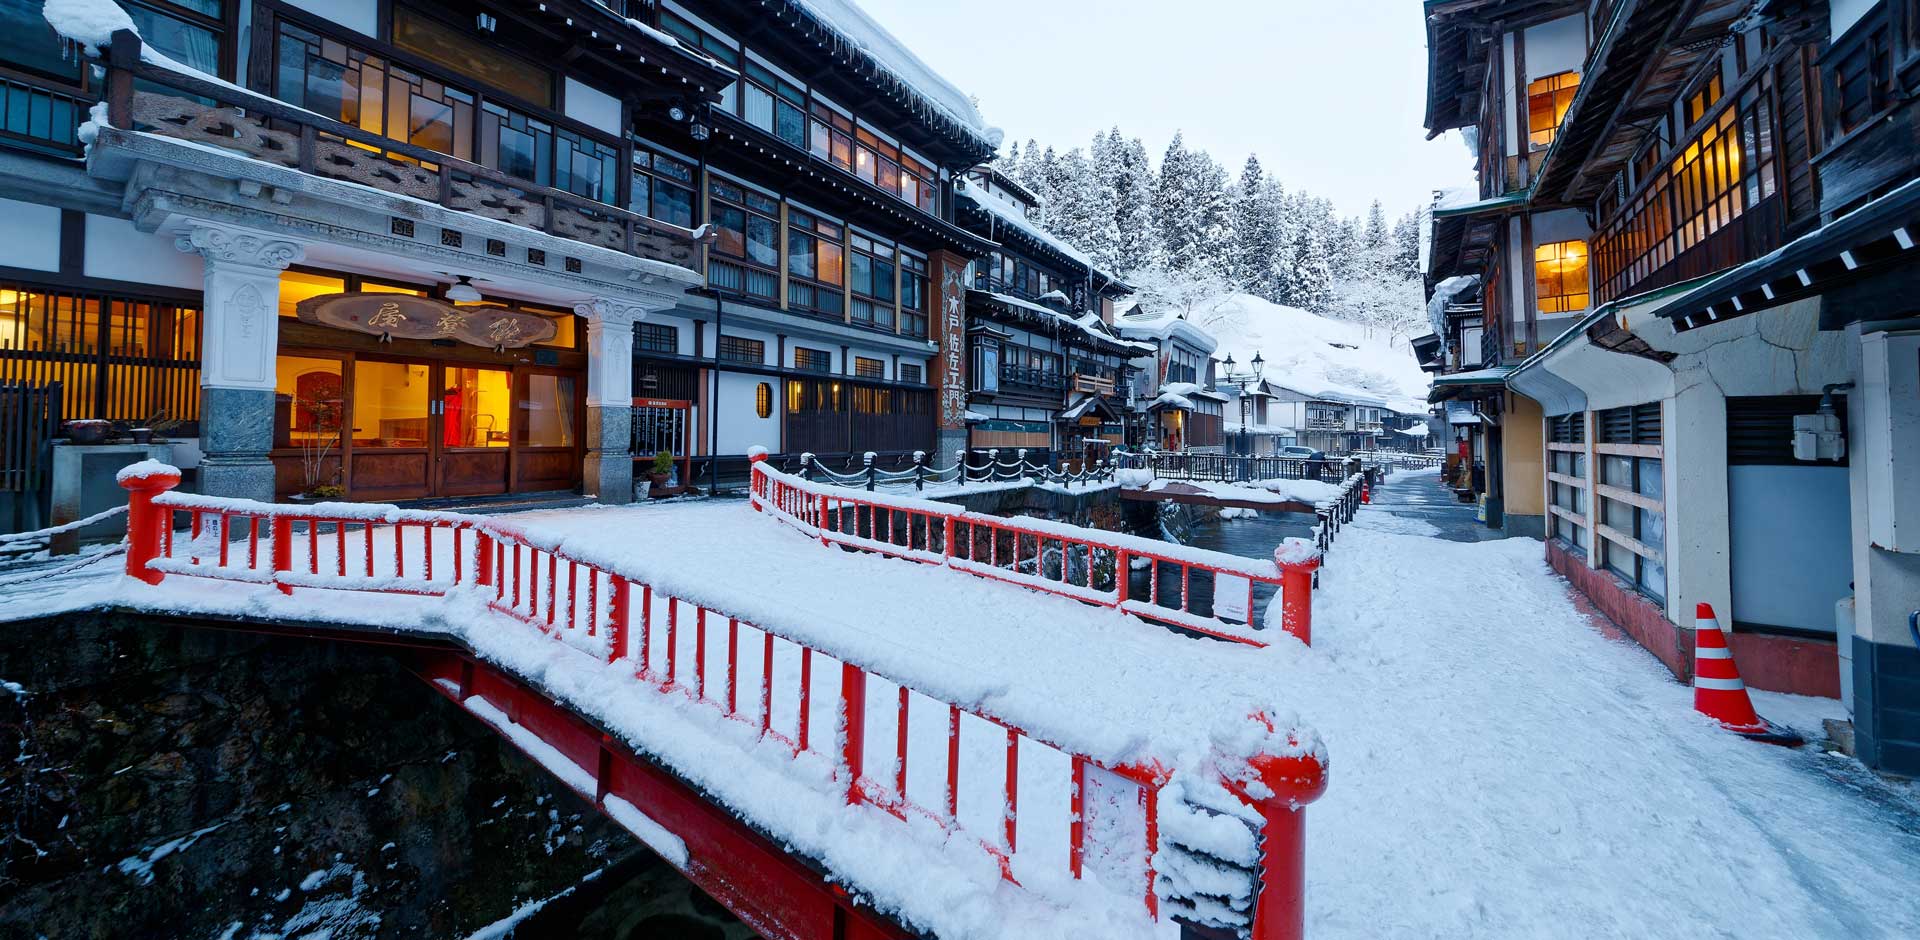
(1133, 216)
(1176, 214)
(1250, 257)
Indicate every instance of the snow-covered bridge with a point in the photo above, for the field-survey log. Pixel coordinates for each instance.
(995, 742)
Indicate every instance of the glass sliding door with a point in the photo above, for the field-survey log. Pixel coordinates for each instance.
(476, 411)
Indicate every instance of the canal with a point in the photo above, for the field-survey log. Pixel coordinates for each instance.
(1251, 536)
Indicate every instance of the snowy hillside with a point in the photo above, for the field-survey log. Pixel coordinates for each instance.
(1312, 354)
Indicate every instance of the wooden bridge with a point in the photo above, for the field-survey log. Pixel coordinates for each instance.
(810, 730)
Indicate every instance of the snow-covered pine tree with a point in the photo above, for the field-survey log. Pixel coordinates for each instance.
(1406, 243)
(1255, 241)
(1133, 206)
(1176, 213)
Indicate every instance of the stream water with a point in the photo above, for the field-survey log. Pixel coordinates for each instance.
(1249, 537)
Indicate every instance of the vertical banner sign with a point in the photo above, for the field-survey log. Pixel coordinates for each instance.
(953, 341)
(1230, 597)
(1115, 810)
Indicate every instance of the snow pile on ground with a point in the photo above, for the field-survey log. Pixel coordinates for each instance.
(1502, 769)
(1316, 355)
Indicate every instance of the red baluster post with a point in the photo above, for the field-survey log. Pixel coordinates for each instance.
(618, 595)
(483, 558)
(1297, 559)
(853, 728)
(756, 481)
(283, 550)
(1279, 912)
(147, 523)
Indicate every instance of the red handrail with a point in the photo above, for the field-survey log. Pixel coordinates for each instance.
(593, 605)
(1088, 565)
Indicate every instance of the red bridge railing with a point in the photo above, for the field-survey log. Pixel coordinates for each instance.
(768, 680)
(1089, 565)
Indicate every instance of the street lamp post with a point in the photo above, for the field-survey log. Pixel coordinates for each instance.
(1246, 382)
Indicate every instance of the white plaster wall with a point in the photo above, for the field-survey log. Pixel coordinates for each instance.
(1560, 225)
(1694, 435)
(362, 16)
(1842, 14)
(593, 107)
(1556, 46)
(740, 427)
(118, 251)
(30, 236)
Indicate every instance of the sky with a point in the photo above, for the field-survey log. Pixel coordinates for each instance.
(1329, 93)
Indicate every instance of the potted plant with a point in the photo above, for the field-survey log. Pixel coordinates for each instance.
(89, 431)
(662, 469)
(318, 413)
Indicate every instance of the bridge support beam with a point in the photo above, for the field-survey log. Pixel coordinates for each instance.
(779, 896)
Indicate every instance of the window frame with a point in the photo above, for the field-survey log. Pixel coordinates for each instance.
(647, 336)
(812, 361)
(1560, 265)
(1558, 91)
(736, 348)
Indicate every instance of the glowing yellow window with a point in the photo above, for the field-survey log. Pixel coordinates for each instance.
(1560, 276)
(1547, 102)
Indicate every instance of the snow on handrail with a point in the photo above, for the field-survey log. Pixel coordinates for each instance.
(1232, 819)
(1055, 557)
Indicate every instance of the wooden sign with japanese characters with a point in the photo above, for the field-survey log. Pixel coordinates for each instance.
(404, 316)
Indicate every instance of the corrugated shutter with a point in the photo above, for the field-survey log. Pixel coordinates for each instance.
(1760, 428)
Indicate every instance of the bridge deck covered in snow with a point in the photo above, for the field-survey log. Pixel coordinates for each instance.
(969, 756)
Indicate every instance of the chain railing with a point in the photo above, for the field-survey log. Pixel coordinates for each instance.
(920, 473)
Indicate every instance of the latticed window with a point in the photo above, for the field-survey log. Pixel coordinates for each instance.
(657, 338)
(1560, 276)
(1547, 102)
(869, 368)
(737, 349)
(812, 360)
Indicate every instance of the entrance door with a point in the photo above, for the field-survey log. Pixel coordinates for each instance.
(393, 451)
(472, 445)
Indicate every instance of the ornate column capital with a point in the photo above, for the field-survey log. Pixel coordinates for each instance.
(219, 244)
(609, 311)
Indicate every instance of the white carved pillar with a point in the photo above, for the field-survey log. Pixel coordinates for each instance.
(608, 474)
(239, 341)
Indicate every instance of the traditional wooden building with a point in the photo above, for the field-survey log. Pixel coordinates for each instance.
(1049, 373)
(1725, 364)
(1174, 385)
(416, 249)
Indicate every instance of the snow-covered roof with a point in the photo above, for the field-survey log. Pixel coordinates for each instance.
(1011, 214)
(1321, 358)
(889, 53)
(1088, 324)
(1443, 295)
(1157, 325)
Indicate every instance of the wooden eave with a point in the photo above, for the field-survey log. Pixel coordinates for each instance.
(1460, 47)
(1644, 61)
(792, 34)
(591, 28)
(750, 153)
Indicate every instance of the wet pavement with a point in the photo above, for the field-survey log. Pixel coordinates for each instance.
(1417, 503)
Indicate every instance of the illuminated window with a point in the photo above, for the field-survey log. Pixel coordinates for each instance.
(1547, 102)
(296, 286)
(763, 400)
(1560, 276)
(869, 368)
(1704, 99)
(812, 360)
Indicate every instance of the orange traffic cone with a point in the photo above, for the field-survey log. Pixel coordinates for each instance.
(1718, 692)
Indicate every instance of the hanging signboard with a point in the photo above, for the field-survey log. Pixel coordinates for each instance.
(405, 316)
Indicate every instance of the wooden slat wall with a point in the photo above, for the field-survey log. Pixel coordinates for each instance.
(118, 358)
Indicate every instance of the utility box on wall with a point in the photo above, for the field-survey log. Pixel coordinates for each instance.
(1889, 444)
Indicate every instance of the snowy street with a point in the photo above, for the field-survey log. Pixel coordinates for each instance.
(1503, 769)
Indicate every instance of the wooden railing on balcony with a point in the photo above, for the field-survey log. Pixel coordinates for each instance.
(1092, 384)
(173, 104)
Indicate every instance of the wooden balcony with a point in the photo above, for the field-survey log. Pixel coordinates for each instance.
(1092, 384)
(207, 113)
